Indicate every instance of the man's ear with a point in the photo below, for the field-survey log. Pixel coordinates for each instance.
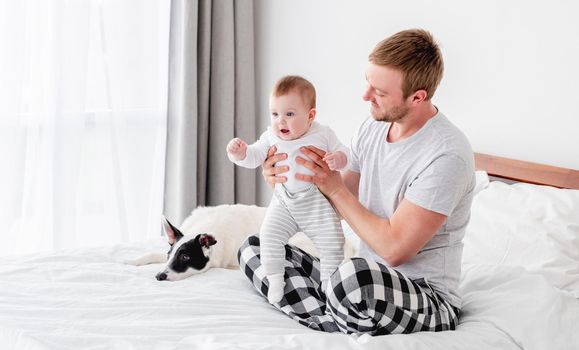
(418, 96)
(312, 114)
(172, 233)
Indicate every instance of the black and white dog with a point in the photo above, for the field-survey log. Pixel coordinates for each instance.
(211, 237)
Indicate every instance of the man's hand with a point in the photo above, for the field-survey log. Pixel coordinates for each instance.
(336, 160)
(237, 149)
(328, 181)
(269, 171)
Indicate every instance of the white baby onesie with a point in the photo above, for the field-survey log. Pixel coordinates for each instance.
(318, 135)
(297, 206)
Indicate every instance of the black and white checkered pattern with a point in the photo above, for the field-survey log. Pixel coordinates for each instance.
(362, 296)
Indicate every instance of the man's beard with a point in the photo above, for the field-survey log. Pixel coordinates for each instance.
(393, 115)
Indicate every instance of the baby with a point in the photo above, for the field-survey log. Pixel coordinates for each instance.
(296, 205)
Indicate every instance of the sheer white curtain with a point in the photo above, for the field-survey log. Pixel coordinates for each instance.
(83, 99)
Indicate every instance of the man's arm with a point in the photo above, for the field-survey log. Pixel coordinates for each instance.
(396, 239)
(352, 181)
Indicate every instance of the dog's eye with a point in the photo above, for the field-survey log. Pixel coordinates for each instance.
(185, 257)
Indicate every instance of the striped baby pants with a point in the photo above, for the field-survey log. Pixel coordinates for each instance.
(362, 297)
(307, 211)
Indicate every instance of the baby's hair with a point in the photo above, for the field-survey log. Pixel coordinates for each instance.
(291, 83)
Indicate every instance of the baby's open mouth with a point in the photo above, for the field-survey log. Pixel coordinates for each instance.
(284, 131)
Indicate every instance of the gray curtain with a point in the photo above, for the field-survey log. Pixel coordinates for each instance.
(211, 100)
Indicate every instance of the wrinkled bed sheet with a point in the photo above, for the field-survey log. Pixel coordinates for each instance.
(89, 299)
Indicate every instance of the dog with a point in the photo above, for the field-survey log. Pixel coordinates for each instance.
(211, 237)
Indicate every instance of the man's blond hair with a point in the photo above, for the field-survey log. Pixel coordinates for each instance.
(296, 83)
(414, 53)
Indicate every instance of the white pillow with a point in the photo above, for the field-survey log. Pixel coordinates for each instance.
(482, 181)
(533, 226)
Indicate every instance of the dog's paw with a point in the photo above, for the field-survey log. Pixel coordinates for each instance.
(134, 262)
(276, 286)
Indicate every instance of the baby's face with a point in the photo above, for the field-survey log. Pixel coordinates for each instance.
(291, 118)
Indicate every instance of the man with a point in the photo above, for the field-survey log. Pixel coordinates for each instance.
(407, 196)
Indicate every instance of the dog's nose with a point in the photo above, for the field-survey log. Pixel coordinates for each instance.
(161, 276)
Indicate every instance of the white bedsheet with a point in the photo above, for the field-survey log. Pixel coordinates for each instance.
(90, 300)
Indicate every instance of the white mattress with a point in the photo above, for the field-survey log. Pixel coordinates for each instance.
(90, 300)
(519, 285)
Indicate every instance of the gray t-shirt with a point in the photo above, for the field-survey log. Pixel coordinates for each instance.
(434, 168)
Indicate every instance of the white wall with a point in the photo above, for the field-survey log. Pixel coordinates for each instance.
(511, 78)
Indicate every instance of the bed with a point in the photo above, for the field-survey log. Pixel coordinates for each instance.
(520, 286)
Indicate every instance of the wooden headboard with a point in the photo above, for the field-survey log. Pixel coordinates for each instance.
(522, 171)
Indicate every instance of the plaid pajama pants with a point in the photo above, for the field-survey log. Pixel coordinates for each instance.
(363, 297)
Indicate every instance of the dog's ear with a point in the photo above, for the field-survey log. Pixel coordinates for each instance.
(206, 240)
(172, 233)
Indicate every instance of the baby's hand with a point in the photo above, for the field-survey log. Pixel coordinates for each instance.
(237, 148)
(336, 160)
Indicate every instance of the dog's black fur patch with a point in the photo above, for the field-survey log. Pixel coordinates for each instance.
(190, 254)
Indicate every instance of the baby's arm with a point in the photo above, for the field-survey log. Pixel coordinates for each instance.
(250, 156)
(337, 155)
(237, 149)
(336, 160)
